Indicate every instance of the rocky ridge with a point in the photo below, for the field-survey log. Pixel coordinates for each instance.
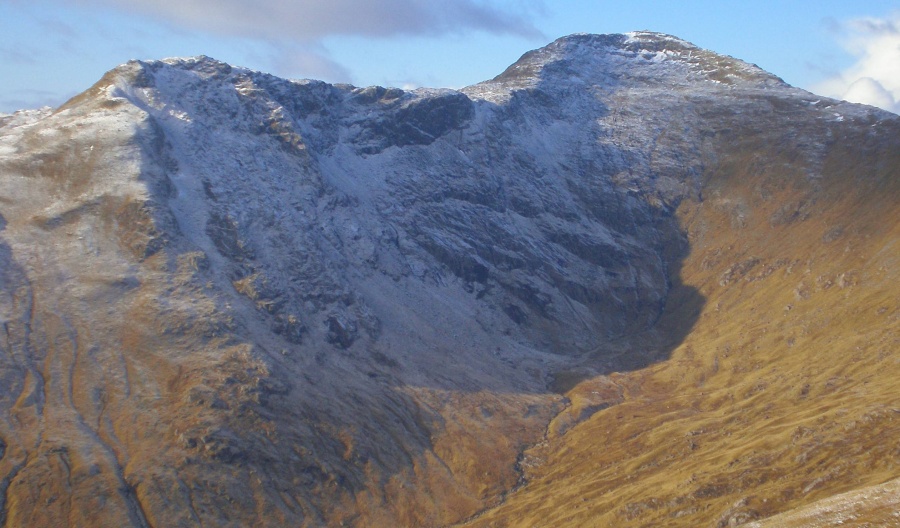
(225, 293)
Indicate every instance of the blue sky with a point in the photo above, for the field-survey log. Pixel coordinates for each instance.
(52, 49)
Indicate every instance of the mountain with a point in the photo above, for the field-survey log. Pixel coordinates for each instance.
(627, 281)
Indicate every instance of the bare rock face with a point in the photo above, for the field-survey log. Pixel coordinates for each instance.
(229, 299)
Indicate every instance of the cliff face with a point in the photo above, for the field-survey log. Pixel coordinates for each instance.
(782, 396)
(232, 299)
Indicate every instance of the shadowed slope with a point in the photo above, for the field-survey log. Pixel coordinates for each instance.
(784, 393)
(329, 304)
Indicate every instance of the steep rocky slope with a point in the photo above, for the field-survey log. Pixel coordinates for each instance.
(784, 392)
(230, 299)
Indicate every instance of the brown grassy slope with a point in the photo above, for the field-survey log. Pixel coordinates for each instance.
(870, 506)
(785, 392)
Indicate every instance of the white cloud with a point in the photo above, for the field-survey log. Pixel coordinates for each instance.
(871, 92)
(874, 78)
(305, 20)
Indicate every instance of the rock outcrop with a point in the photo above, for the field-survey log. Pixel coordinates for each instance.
(230, 299)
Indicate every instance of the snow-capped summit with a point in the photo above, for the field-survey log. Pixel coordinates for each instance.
(606, 61)
(225, 293)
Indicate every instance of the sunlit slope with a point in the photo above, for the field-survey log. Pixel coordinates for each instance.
(786, 390)
(869, 506)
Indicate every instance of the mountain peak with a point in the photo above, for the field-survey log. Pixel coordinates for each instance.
(639, 57)
(633, 40)
(662, 40)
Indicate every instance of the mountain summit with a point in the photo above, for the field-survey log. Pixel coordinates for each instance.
(230, 299)
(638, 57)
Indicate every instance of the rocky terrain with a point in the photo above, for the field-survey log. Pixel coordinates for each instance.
(628, 281)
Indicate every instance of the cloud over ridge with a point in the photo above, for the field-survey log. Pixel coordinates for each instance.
(874, 78)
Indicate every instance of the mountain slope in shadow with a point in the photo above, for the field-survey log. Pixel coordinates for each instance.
(783, 394)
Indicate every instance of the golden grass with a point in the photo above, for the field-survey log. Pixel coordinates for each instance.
(785, 391)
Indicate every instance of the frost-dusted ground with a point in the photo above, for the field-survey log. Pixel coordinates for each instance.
(233, 299)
